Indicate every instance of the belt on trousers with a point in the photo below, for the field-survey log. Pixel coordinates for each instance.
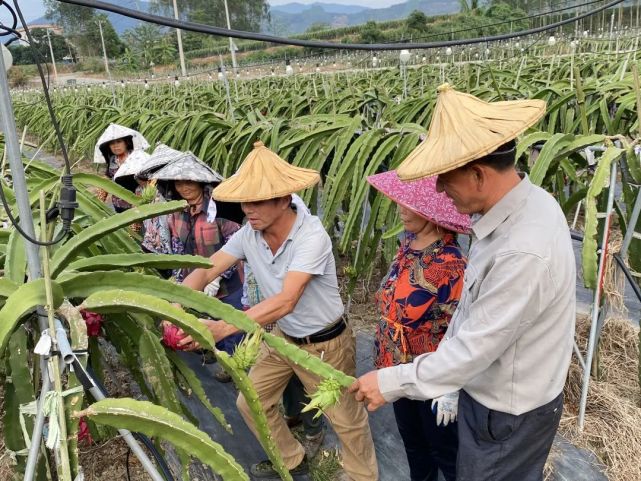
(326, 334)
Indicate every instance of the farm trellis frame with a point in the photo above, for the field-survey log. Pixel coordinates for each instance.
(598, 310)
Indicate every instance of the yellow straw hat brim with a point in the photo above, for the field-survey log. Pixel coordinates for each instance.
(264, 175)
(465, 128)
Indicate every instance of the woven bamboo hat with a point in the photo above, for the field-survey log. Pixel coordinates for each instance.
(465, 128)
(264, 175)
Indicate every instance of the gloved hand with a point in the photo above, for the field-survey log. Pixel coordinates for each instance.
(213, 287)
(445, 408)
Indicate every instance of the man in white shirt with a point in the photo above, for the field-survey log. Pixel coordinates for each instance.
(291, 258)
(509, 343)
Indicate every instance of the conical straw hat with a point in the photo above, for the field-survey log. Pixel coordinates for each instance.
(465, 128)
(264, 175)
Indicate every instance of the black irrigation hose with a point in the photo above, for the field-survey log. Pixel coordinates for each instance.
(505, 22)
(626, 271)
(162, 464)
(14, 20)
(5, 30)
(223, 32)
(628, 275)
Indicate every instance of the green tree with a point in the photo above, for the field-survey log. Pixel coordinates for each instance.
(470, 5)
(371, 33)
(89, 39)
(165, 51)
(81, 28)
(417, 22)
(130, 60)
(143, 40)
(23, 55)
(148, 43)
(246, 15)
(72, 18)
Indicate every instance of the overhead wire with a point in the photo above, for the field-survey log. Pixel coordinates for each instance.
(6, 30)
(505, 22)
(218, 31)
(323, 52)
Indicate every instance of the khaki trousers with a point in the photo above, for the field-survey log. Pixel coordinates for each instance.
(271, 374)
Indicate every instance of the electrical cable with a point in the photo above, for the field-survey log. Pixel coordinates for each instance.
(617, 257)
(5, 30)
(505, 22)
(38, 61)
(14, 19)
(198, 27)
(127, 463)
(88, 379)
(67, 201)
(502, 22)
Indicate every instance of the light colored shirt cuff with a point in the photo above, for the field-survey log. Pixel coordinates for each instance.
(391, 381)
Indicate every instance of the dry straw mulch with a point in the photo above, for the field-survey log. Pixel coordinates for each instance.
(613, 416)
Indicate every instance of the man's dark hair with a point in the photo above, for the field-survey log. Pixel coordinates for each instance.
(501, 159)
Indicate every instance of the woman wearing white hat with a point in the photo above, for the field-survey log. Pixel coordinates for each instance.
(202, 228)
(112, 149)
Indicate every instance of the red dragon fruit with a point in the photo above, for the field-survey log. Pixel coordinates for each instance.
(94, 322)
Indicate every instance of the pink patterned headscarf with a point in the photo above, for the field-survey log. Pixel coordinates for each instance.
(420, 196)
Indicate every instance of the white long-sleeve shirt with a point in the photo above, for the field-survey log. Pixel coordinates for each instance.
(510, 340)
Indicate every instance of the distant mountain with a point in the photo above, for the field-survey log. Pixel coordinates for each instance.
(296, 18)
(120, 22)
(293, 18)
(297, 8)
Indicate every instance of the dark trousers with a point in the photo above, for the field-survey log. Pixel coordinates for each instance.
(496, 446)
(230, 342)
(429, 447)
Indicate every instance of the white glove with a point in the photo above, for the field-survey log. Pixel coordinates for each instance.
(445, 408)
(212, 288)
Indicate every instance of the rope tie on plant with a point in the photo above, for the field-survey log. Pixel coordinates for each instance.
(614, 280)
(51, 410)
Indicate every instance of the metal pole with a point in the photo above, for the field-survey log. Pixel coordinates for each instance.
(231, 41)
(597, 301)
(104, 54)
(104, 50)
(632, 224)
(12, 151)
(53, 60)
(226, 83)
(405, 82)
(14, 156)
(181, 54)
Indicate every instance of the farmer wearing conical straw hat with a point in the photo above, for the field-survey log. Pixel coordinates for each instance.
(508, 347)
(291, 257)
